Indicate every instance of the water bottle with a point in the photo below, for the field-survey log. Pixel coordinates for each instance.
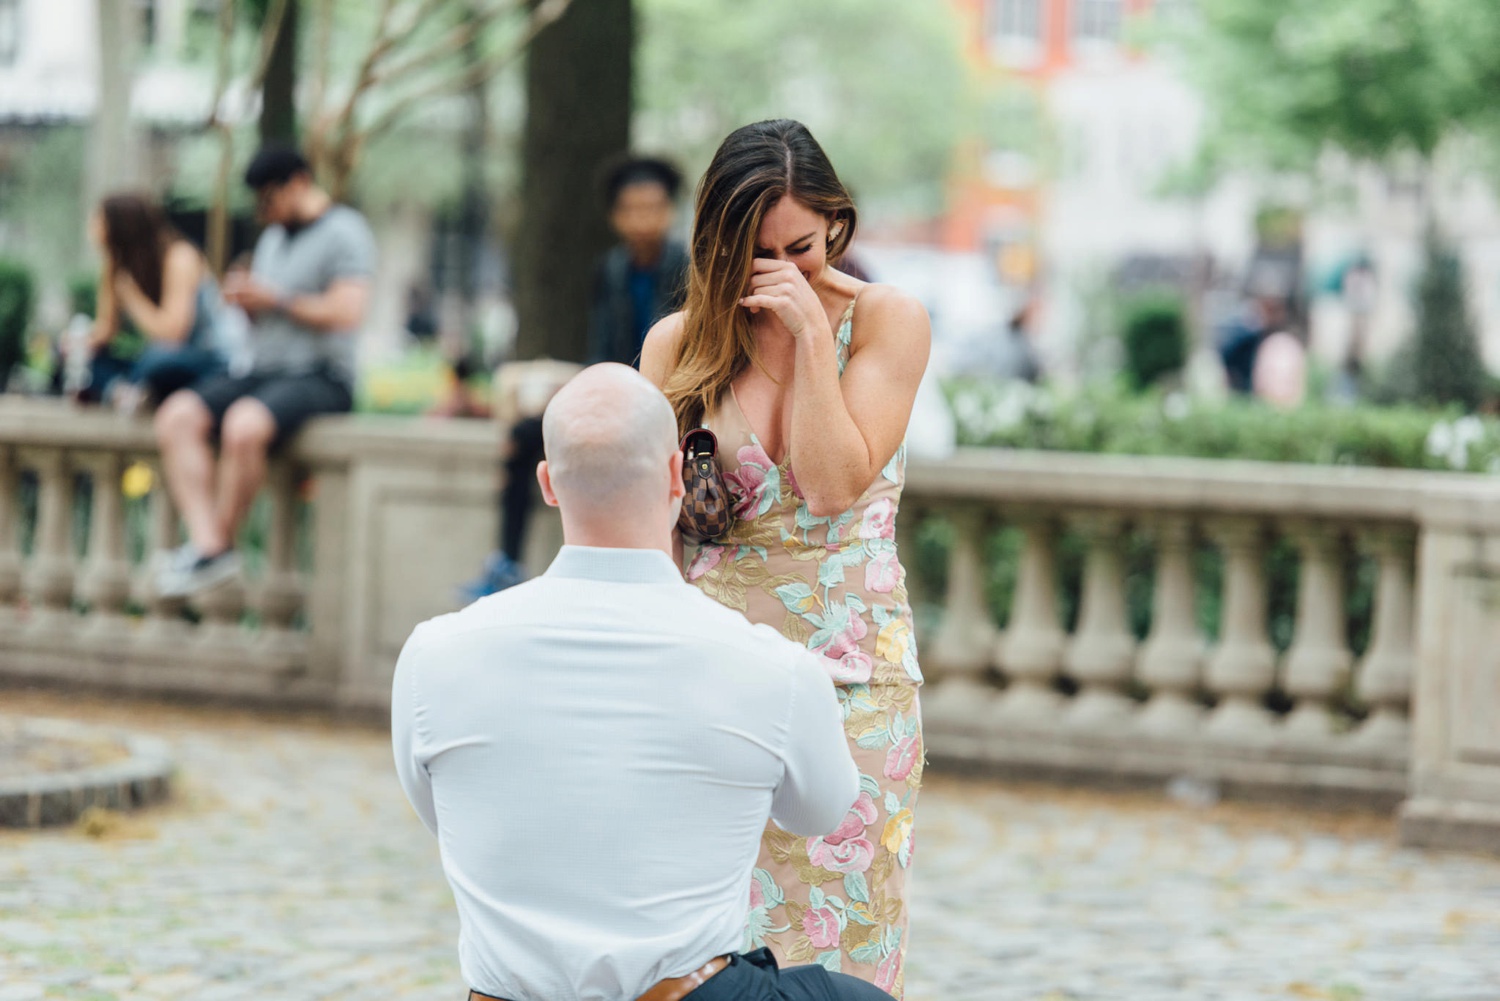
(76, 365)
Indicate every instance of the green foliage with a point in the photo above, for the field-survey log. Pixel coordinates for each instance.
(883, 84)
(17, 297)
(1155, 338)
(1116, 422)
(83, 294)
(1370, 77)
(1446, 367)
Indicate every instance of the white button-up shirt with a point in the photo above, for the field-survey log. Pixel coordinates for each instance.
(597, 751)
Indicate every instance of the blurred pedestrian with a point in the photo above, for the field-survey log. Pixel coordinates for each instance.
(636, 282)
(642, 278)
(807, 377)
(151, 280)
(306, 296)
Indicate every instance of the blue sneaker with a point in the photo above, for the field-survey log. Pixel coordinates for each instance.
(499, 573)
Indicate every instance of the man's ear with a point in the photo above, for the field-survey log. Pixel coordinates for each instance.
(679, 489)
(544, 479)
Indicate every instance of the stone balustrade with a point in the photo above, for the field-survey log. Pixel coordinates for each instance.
(365, 528)
(369, 524)
(1101, 701)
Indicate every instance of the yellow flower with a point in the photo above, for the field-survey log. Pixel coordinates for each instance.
(897, 830)
(893, 641)
(137, 480)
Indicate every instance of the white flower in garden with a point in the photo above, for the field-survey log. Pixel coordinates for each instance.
(1439, 439)
(1008, 410)
(1469, 430)
(1176, 406)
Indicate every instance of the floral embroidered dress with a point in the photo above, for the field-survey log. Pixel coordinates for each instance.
(836, 585)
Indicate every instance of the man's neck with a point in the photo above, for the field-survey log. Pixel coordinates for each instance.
(310, 208)
(644, 257)
(615, 536)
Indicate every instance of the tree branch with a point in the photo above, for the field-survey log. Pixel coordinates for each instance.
(543, 15)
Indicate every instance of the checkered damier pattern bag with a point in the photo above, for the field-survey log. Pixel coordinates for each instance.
(705, 509)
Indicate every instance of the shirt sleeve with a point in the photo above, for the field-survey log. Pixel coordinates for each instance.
(352, 252)
(820, 782)
(411, 764)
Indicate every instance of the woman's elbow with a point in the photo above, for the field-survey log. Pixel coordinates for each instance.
(829, 504)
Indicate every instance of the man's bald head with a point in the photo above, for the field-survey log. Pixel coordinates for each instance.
(609, 435)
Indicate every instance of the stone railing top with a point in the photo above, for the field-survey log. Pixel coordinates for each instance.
(327, 440)
(1168, 485)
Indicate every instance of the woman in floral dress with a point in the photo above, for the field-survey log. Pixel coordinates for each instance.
(807, 376)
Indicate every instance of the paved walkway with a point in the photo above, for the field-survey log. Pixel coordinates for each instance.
(291, 868)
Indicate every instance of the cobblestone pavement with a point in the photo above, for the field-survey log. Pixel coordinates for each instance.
(289, 867)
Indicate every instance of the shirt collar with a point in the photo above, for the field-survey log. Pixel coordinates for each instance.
(618, 566)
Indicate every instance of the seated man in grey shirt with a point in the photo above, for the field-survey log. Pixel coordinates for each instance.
(597, 749)
(306, 296)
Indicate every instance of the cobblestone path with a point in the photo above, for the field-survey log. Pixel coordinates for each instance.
(290, 867)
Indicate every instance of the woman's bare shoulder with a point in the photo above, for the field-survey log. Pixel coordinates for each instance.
(659, 352)
(879, 308)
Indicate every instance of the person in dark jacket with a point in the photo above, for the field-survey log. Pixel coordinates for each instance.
(643, 277)
(636, 282)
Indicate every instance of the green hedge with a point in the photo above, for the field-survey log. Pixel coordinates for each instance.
(1116, 422)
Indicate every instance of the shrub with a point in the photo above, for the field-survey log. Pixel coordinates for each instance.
(17, 295)
(83, 294)
(1446, 366)
(1154, 335)
(1101, 421)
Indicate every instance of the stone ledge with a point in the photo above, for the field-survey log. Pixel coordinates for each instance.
(1460, 826)
(48, 799)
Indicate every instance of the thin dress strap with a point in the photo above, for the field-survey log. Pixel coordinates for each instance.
(845, 335)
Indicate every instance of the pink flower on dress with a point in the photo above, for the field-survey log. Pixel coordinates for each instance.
(791, 481)
(882, 573)
(901, 758)
(854, 855)
(879, 521)
(709, 556)
(757, 895)
(846, 640)
(887, 971)
(847, 849)
(854, 668)
(750, 483)
(822, 926)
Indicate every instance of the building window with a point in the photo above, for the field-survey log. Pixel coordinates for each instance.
(10, 31)
(1098, 21)
(1015, 29)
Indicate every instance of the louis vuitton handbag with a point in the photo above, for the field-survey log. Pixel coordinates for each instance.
(705, 510)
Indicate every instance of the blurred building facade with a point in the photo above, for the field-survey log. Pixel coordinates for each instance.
(1080, 184)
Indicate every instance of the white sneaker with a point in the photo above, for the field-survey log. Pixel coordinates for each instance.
(180, 578)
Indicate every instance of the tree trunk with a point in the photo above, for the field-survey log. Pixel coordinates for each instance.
(578, 96)
(114, 152)
(473, 213)
(278, 93)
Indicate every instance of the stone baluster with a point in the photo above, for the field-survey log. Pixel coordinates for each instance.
(1319, 658)
(10, 544)
(1102, 651)
(1385, 673)
(1030, 653)
(964, 647)
(50, 576)
(280, 596)
(221, 607)
(1243, 666)
(106, 579)
(1171, 659)
(163, 618)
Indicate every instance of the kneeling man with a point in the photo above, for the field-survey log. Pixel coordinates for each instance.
(598, 749)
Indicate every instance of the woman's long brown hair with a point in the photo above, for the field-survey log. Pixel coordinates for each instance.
(137, 233)
(753, 169)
